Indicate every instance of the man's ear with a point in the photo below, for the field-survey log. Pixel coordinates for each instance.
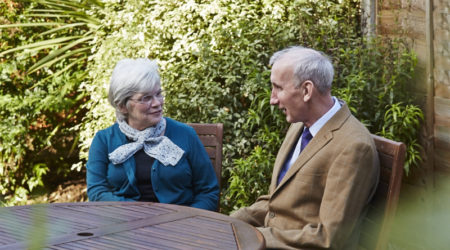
(307, 88)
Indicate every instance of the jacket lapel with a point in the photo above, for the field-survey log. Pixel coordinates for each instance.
(321, 139)
(289, 142)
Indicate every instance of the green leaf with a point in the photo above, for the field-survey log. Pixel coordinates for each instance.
(53, 57)
(41, 44)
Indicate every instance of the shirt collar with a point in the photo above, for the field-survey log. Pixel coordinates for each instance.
(314, 129)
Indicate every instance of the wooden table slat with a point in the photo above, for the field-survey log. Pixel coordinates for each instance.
(76, 245)
(138, 211)
(143, 239)
(161, 242)
(60, 216)
(58, 222)
(188, 237)
(148, 209)
(6, 239)
(110, 212)
(216, 226)
(83, 217)
(120, 244)
(196, 231)
(96, 243)
(54, 248)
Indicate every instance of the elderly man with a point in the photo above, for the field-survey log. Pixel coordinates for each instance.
(327, 168)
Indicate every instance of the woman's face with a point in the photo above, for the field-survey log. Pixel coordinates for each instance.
(145, 109)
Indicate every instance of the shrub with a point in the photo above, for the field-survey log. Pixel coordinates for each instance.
(213, 57)
(39, 110)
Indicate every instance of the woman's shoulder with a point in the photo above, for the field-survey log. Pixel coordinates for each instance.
(178, 126)
(109, 131)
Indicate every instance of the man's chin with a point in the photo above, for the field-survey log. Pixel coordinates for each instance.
(289, 119)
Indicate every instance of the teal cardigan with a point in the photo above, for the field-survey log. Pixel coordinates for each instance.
(191, 182)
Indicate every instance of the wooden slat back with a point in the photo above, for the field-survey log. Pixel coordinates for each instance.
(211, 135)
(378, 221)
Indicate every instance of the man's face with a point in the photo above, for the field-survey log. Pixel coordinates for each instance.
(284, 94)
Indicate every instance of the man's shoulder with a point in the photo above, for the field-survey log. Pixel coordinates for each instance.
(354, 132)
(347, 123)
(346, 128)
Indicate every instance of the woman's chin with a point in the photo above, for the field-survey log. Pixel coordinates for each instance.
(154, 119)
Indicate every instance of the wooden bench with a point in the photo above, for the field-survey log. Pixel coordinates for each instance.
(378, 221)
(211, 135)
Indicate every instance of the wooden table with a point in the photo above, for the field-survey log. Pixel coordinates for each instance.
(122, 225)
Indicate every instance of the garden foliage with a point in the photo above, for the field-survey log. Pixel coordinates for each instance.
(213, 58)
(37, 111)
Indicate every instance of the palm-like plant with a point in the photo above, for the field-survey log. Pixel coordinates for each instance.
(41, 67)
(60, 16)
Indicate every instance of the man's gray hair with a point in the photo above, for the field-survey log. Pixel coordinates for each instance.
(309, 64)
(131, 76)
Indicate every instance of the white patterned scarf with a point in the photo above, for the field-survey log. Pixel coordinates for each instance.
(155, 145)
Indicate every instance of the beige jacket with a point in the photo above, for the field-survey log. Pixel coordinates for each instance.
(320, 200)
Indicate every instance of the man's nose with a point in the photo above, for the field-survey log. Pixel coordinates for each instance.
(273, 98)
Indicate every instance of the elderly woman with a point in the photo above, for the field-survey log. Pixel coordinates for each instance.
(145, 156)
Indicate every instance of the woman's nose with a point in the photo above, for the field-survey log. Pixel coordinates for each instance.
(156, 102)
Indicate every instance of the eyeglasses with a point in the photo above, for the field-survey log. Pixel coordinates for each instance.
(147, 99)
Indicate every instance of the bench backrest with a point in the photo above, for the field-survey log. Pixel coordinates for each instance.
(211, 135)
(378, 221)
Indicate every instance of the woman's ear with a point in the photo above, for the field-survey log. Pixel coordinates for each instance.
(307, 89)
(123, 109)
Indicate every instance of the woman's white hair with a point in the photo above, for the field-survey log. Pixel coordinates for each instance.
(131, 76)
(309, 64)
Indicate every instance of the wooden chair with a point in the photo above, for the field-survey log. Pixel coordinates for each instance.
(378, 221)
(211, 136)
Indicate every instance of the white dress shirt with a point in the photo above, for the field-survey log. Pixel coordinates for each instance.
(314, 129)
